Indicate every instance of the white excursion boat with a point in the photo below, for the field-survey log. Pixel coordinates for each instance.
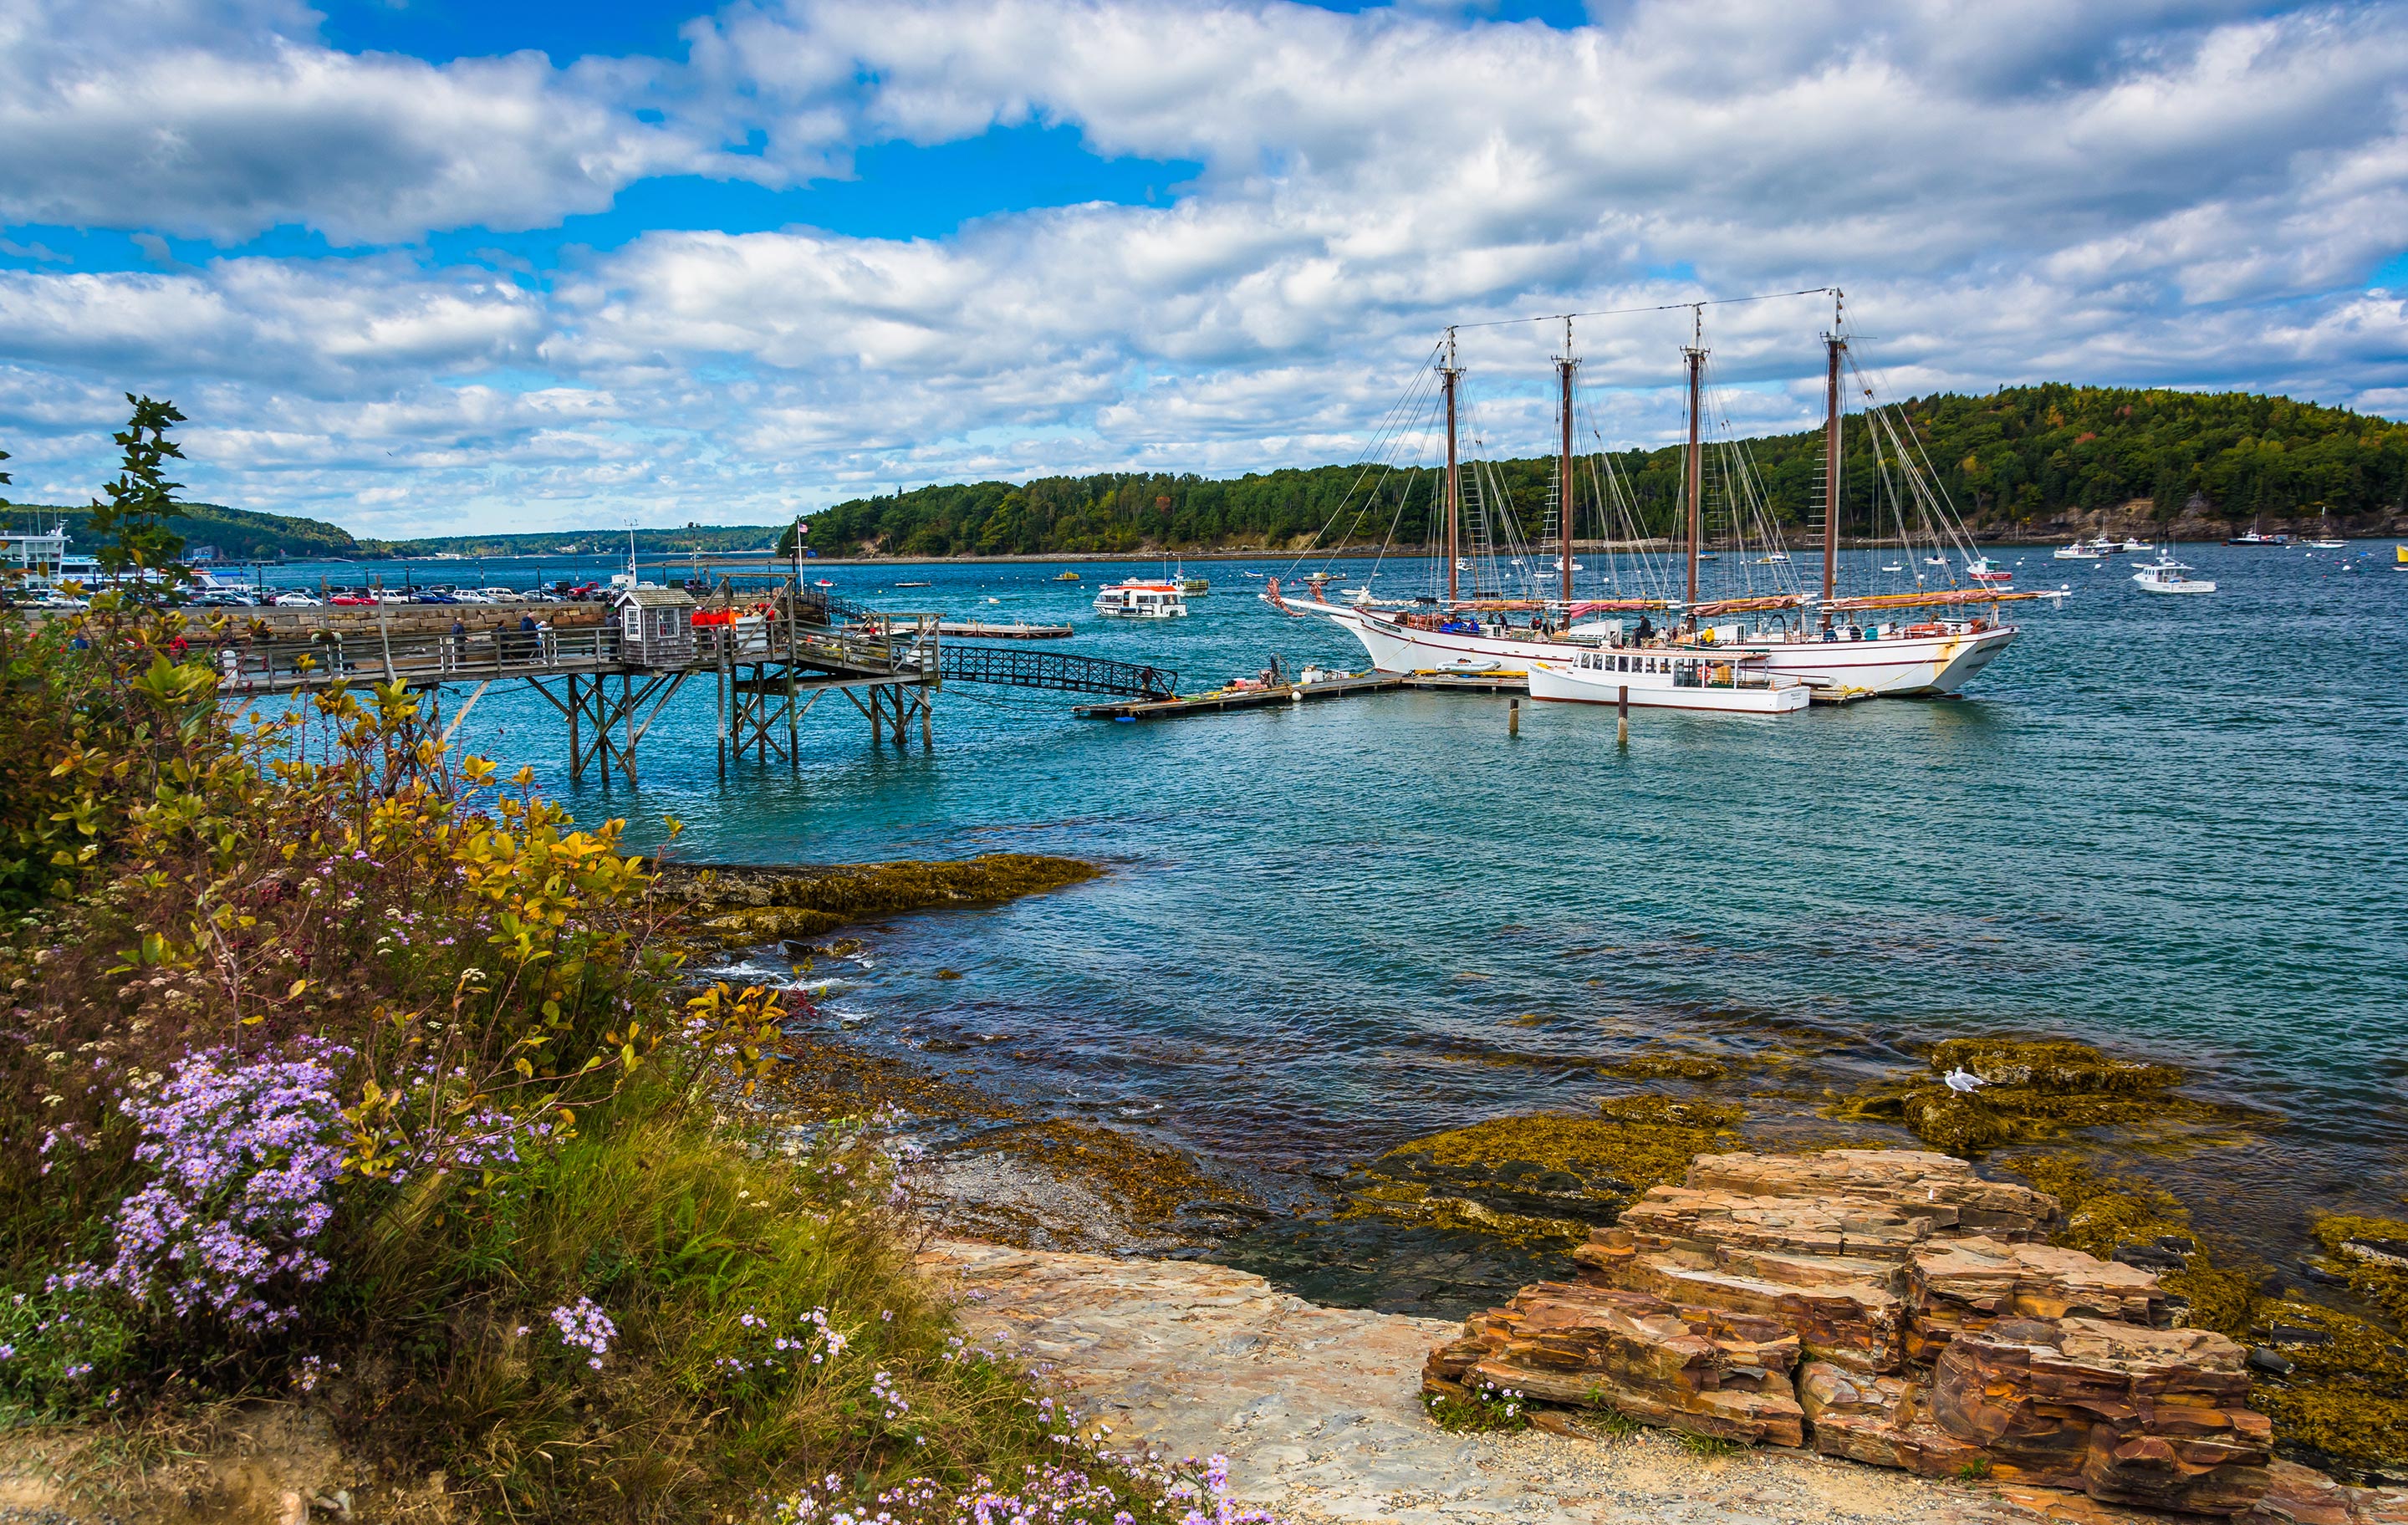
(2165, 575)
(1760, 651)
(1143, 598)
(1736, 681)
(2078, 551)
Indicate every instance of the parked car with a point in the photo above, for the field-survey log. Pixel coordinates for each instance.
(294, 600)
(354, 600)
(500, 596)
(437, 595)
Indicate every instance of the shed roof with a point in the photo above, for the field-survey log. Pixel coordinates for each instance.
(652, 599)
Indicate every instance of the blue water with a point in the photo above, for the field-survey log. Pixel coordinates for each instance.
(2174, 826)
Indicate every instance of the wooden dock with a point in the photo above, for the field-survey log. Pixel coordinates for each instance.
(1327, 689)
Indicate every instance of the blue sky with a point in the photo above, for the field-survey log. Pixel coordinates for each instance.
(431, 265)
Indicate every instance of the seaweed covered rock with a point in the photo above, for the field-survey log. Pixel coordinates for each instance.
(2156, 1418)
(1545, 1178)
(2031, 1090)
(739, 905)
(1706, 1371)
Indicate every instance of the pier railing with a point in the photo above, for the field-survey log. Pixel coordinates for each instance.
(282, 666)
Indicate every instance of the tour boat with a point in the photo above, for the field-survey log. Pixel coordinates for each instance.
(1143, 598)
(1674, 680)
(2078, 551)
(2165, 575)
(1869, 645)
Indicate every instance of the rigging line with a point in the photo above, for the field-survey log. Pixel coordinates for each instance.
(1660, 307)
(1393, 430)
(1388, 424)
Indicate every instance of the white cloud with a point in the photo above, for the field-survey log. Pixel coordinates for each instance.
(2182, 192)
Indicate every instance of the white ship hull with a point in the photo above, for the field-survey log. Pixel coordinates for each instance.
(1895, 667)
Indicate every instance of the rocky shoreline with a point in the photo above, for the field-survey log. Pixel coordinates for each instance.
(1460, 1220)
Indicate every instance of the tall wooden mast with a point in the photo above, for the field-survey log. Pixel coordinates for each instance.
(1564, 495)
(1837, 345)
(1448, 374)
(1696, 462)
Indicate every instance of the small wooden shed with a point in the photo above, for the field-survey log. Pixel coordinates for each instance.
(655, 626)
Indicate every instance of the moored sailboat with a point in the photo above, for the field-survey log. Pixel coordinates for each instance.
(1863, 643)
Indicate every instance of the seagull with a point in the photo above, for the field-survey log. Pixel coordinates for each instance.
(1964, 1082)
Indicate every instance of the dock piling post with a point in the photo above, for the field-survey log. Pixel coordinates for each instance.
(1622, 725)
(1512, 717)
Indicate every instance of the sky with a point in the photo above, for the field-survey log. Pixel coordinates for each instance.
(423, 266)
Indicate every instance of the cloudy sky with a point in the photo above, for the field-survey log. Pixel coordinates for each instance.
(419, 265)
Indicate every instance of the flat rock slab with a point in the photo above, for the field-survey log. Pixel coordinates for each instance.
(1317, 1409)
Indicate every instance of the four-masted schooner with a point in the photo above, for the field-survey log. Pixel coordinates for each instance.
(1754, 651)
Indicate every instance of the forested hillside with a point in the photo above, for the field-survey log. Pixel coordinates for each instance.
(238, 534)
(2020, 458)
(704, 539)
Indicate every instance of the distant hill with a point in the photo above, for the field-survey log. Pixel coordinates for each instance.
(238, 534)
(2021, 459)
(704, 539)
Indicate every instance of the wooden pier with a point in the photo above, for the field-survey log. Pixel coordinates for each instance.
(769, 662)
(1272, 695)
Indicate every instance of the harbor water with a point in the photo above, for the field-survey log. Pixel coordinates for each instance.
(2177, 827)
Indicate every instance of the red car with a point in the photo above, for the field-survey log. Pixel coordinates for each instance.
(352, 600)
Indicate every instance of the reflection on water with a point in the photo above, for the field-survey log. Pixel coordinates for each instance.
(1334, 927)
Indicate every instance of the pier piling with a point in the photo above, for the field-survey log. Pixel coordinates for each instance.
(1622, 717)
(1512, 717)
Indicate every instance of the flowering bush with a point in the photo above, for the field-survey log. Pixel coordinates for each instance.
(246, 1157)
(333, 1067)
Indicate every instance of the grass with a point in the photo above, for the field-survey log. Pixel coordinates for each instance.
(706, 1256)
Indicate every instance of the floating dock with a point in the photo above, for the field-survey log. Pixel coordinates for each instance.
(1327, 689)
(1020, 630)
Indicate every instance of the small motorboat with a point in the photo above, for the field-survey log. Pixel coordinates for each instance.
(1980, 570)
(824, 582)
(2165, 575)
(2078, 551)
(1066, 577)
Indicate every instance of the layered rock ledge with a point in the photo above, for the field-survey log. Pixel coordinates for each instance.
(1887, 1306)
